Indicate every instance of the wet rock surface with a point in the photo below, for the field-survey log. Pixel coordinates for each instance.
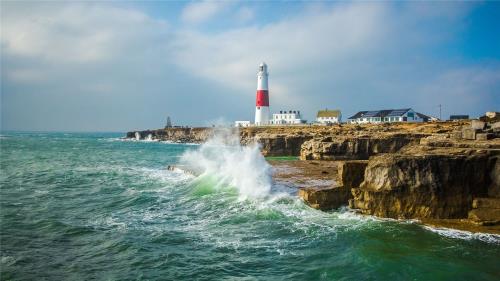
(325, 198)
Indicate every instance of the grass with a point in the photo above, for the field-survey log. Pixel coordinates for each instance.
(282, 158)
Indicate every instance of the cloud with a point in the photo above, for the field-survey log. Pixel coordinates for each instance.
(352, 56)
(459, 90)
(199, 12)
(293, 47)
(109, 66)
(81, 66)
(244, 14)
(74, 33)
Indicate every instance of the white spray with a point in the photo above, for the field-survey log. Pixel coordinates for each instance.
(242, 167)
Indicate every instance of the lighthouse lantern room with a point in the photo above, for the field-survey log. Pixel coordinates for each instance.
(262, 100)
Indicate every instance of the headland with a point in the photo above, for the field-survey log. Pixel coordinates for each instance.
(440, 173)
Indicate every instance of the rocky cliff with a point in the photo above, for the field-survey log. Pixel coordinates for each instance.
(312, 142)
(426, 185)
(440, 174)
(356, 147)
(179, 135)
(425, 171)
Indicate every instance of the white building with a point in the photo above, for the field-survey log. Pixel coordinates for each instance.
(329, 116)
(287, 117)
(387, 116)
(242, 123)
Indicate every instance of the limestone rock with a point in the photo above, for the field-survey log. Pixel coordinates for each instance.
(351, 147)
(352, 173)
(484, 136)
(478, 125)
(469, 133)
(485, 216)
(423, 186)
(492, 203)
(496, 126)
(280, 145)
(494, 188)
(486, 211)
(325, 198)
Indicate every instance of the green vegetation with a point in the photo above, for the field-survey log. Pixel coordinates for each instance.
(282, 158)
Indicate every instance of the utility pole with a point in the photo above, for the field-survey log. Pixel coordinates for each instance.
(440, 112)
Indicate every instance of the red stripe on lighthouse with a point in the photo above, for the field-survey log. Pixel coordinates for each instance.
(262, 98)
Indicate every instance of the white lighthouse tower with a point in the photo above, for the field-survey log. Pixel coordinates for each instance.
(262, 100)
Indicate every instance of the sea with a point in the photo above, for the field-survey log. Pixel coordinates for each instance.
(93, 206)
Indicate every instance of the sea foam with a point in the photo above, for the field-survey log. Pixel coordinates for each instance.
(465, 235)
(223, 158)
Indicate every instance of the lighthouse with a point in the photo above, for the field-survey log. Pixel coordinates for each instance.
(262, 100)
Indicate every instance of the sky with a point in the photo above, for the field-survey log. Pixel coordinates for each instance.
(121, 66)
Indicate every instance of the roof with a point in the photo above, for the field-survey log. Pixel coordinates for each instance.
(328, 113)
(423, 116)
(358, 115)
(380, 113)
(455, 117)
(398, 112)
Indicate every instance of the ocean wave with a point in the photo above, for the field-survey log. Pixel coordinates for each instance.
(225, 161)
(464, 235)
(123, 139)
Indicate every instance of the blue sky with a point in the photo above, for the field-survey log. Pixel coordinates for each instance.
(118, 66)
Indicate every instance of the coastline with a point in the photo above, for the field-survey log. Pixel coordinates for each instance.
(443, 174)
(322, 174)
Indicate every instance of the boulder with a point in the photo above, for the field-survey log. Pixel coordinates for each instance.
(484, 136)
(469, 133)
(495, 126)
(326, 198)
(477, 125)
(485, 216)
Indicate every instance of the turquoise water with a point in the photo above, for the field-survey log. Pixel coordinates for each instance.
(89, 206)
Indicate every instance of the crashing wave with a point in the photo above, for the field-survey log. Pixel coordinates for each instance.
(229, 164)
